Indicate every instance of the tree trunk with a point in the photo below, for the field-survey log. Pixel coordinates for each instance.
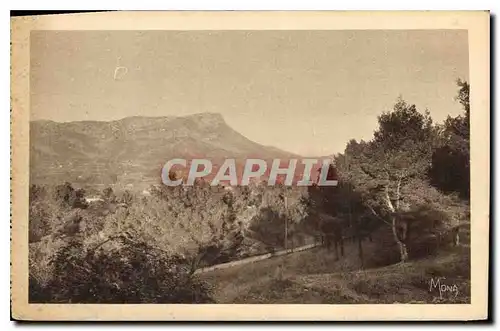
(456, 237)
(403, 252)
(286, 232)
(360, 249)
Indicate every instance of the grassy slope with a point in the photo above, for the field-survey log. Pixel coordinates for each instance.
(315, 277)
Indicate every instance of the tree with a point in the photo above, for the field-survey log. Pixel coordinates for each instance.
(450, 170)
(338, 212)
(194, 222)
(463, 96)
(399, 153)
(126, 197)
(67, 196)
(39, 214)
(47, 205)
(281, 211)
(109, 195)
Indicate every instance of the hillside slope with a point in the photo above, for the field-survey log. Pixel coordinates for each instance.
(315, 276)
(133, 150)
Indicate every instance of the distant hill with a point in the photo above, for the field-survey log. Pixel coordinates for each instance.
(133, 150)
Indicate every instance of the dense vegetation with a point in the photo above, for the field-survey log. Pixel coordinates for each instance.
(406, 191)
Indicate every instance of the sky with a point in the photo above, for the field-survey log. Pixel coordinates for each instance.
(307, 92)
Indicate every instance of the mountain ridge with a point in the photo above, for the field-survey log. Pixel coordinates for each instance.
(132, 150)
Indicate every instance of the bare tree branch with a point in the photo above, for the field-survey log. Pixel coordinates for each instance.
(378, 216)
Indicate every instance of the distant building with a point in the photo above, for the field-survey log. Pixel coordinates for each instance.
(93, 199)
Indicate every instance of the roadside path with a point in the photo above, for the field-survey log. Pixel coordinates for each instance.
(255, 258)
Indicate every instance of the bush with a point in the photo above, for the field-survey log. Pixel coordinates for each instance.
(67, 196)
(129, 272)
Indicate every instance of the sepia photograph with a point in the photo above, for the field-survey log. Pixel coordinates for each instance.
(276, 161)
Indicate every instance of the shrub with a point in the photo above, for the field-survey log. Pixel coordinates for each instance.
(129, 272)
